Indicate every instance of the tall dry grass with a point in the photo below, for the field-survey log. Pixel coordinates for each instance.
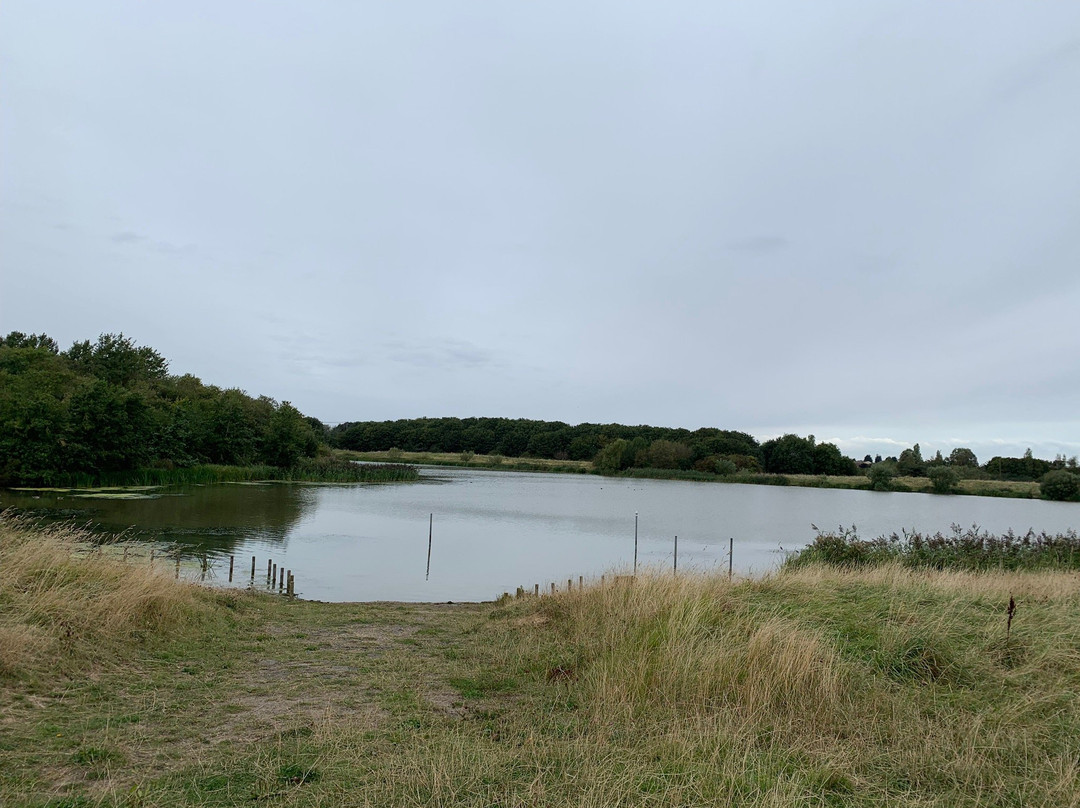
(694, 645)
(62, 607)
(877, 686)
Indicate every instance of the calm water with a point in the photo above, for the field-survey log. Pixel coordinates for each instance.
(495, 531)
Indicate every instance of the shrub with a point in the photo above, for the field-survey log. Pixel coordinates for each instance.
(714, 464)
(1060, 485)
(943, 480)
(881, 476)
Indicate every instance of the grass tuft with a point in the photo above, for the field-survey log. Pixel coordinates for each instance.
(61, 608)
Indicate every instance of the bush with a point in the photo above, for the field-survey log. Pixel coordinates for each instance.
(1060, 485)
(714, 464)
(943, 480)
(881, 476)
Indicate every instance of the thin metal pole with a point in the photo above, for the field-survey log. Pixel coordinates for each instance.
(635, 542)
(730, 550)
(676, 568)
(430, 524)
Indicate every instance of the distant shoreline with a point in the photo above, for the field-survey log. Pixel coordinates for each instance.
(915, 485)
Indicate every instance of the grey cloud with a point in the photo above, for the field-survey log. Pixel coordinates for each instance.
(755, 216)
(761, 245)
(438, 354)
(156, 245)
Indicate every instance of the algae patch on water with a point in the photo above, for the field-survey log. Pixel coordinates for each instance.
(115, 495)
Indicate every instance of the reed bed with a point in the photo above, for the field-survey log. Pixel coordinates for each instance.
(960, 548)
(318, 469)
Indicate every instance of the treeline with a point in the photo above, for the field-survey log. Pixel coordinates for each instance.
(110, 406)
(612, 447)
(966, 465)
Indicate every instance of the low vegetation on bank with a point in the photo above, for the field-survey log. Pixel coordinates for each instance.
(973, 487)
(471, 460)
(821, 685)
(322, 469)
(959, 549)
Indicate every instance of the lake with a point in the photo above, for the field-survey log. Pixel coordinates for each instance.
(493, 531)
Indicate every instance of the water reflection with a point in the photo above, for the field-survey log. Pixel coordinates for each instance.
(212, 519)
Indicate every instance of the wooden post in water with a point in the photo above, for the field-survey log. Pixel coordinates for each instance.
(676, 567)
(730, 551)
(273, 575)
(288, 582)
(635, 542)
(430, 523)
(269, 570)
(253, 569)
(231, 559)
(281, 584)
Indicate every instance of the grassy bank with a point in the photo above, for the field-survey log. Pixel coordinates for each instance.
(315, 470)
(470, 460)
(814, 687)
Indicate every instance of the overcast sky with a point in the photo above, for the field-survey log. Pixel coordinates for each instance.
(856, 219)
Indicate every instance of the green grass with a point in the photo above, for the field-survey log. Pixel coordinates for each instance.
(813, 687)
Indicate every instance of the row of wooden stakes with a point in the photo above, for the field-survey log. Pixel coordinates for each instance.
(524, 592)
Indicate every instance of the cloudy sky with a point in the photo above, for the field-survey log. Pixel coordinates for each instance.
(857, 220)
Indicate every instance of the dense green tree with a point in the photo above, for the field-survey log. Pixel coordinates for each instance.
(881, 476)
(668, 454)
(17, 339)
(116, 360)
(109, 406)
(610, 458)
(289, 437)
(1060, 485)
(108, 428)
(910, 463)
(829, 460)
(962, 457)
(35, 389)
(1025, 469)
(943, 479)
(789, 454)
